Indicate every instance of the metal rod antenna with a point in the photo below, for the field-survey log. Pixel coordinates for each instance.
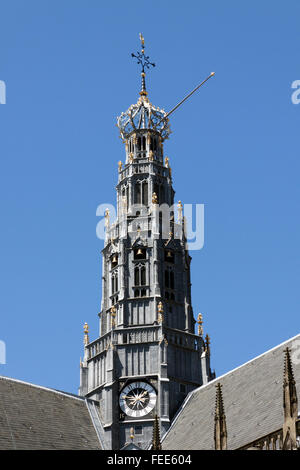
(184, 99)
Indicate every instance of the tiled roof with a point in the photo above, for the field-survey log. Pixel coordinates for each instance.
(253, 401)
(33, 417)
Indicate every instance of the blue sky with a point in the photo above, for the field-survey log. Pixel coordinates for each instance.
(234, 147)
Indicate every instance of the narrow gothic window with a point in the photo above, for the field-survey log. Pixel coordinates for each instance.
(143, 276)
(136, 276)
(167, 283)
(156, 190)
(137, 195)
(172, 280)
(136, 293)
(145, 193)
(114, 283)
(162, 194)
(140, 275)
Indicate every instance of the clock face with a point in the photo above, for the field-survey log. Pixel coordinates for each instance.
(137, 399)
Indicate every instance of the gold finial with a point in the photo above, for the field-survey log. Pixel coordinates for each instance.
(167, 162)
(200, 323)
(151, 158)
(179, 206)
(160, 310)
(131, 434)
(86, 333)
(107, 218)
(207, 343)
(154, 198)
(130, 157)
(120, 165)
(142, 40)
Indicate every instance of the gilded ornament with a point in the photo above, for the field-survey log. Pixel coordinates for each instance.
(154, 198)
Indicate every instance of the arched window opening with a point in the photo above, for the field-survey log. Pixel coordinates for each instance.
(140, 275)
(114, 283)
(167, 278)
(169, 256)
(169, 284)
(136, 276)
(172, 280)
(137, 193)
(145, 193)
(114, 261)
(162, 194)
(143, 276)
(140, 253)
(157, 192)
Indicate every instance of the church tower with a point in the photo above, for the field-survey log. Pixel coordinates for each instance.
(147, 357)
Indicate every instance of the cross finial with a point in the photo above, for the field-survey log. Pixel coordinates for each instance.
(143, 60)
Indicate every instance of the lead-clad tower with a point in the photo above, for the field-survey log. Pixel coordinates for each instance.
(148, 357)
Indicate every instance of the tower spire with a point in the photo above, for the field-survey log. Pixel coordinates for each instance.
(143, 61)
(220, 421)
(290, 404)
(156, 444)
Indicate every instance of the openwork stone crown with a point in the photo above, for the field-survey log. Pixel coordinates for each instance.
(143, 116)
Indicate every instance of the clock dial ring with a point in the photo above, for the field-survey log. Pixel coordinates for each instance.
(137, 399)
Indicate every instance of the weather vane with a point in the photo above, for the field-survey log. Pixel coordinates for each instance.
(144, 61)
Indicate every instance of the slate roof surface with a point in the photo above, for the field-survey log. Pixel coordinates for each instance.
(253, 401)
(33, 417)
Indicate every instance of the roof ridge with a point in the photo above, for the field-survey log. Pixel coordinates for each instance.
(59, 392)
(193, 392)
(246, 363)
